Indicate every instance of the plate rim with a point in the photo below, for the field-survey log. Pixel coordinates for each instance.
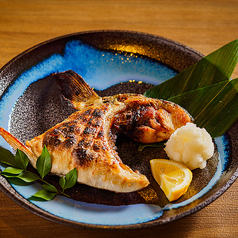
(7, 189)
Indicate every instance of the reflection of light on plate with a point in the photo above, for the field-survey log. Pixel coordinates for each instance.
(100, 69)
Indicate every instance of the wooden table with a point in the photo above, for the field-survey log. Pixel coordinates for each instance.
(204, 25)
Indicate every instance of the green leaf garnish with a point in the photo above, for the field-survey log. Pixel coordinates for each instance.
(206, 90)
(143, 146)
(18, 174)
(6, 157)
(43, 164)
(28, 177)
(62, 182)
(11, 171)
(21, 159)
(25, 176)
(49, 188)
(70, 179)
(17, 181)
(218, 106)
(211, 69)
(43, 195)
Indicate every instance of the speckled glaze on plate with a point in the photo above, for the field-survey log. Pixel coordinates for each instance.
(103, 58)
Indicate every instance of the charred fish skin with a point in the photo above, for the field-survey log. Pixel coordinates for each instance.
(86, 139)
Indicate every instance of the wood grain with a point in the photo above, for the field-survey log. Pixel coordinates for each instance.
(204, 25)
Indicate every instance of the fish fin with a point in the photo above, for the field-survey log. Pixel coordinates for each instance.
(74, 88)
(16, 144)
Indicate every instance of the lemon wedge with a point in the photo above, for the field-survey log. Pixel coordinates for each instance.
(173, 177)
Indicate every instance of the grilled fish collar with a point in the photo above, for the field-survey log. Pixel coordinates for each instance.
(86, 139)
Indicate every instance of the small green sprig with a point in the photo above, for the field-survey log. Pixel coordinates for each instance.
(143, 146)
(17, 169)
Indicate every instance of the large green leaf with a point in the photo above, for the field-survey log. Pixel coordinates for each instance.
(211, 69)
(206, 90)
(214, 107)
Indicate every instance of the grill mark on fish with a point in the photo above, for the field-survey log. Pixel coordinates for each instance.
(96, 146)
(88, 130)
(97, 113)
(101, 134)
(83, 157)
(69, 142)
(94, 122)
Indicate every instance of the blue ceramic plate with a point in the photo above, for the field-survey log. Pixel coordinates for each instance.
(30, 104)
